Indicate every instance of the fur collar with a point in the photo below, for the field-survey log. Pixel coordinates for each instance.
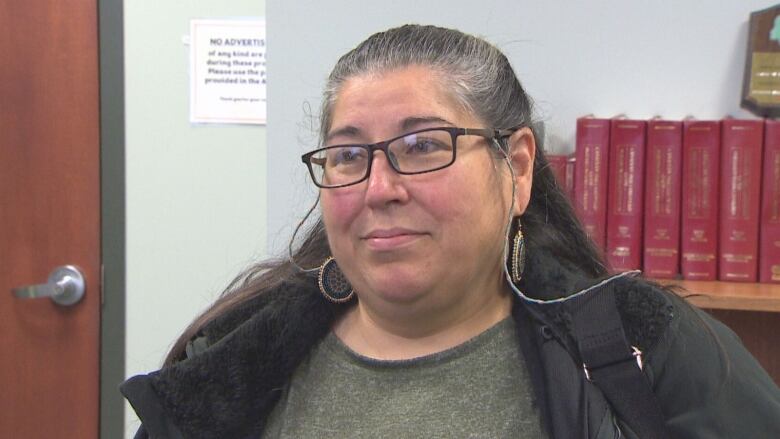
(229, 389)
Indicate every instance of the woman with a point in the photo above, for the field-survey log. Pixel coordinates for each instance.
(457, 295)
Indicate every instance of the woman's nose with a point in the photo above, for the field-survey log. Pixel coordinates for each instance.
(385, 185)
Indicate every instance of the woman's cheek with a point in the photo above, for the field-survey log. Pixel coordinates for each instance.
(446, 208)
(340, 207)
(449, 199)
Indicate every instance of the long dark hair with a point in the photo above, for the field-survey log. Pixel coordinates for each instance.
(482, 80)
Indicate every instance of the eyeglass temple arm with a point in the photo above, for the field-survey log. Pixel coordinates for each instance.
(496, 135)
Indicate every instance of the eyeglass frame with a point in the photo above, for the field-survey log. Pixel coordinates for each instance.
(487, 133)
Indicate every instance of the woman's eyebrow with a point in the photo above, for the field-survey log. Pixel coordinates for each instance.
(413, 122)
(347, 131)
(407, 124)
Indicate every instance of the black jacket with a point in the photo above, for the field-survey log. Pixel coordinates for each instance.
(707, 384)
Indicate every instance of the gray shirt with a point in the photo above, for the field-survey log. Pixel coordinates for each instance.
(479, 389)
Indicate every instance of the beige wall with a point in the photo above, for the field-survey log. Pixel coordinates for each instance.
(196, 204)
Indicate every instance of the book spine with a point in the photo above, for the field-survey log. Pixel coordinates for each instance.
(700, 180)
(663, 179)
(769, 251)
(558, 167)
(590, 177)
(740, 199)
(625, 198)
(571, 169)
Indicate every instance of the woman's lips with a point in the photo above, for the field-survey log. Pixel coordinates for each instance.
(390, 239)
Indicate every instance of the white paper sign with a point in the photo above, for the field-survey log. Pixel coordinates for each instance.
(227, 71)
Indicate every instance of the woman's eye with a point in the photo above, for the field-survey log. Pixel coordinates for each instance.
(345, 156)
(423, 146)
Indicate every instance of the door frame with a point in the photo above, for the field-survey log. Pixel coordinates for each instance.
(112, 216)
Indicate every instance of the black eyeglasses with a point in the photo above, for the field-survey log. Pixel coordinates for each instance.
(417, 152)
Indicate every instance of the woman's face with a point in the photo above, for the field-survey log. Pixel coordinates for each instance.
(426, 239)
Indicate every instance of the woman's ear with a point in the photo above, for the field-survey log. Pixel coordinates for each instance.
(522, 152)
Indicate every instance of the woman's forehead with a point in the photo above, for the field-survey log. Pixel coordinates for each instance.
(403, 99)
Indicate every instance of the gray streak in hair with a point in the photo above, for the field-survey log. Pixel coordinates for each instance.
(478, 74)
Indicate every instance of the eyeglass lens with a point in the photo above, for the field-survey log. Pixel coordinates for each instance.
(413, 153)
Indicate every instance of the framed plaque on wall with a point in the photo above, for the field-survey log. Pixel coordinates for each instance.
(761, 82)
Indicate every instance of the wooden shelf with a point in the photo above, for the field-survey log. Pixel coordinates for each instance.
(729, 295)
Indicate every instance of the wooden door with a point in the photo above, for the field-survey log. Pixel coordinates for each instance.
(49, 216)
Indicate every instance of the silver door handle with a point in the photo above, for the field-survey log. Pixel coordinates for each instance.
(65, 287)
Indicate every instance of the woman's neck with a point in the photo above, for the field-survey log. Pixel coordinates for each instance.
(408, 333)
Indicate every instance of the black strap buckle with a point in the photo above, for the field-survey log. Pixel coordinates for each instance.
(636, 353)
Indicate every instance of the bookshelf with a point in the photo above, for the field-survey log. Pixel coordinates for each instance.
(752, 310)
(730, 295)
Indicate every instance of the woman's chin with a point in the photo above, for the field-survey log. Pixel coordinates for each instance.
(395, 290)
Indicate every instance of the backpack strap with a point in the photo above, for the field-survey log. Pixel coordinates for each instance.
(614, 366)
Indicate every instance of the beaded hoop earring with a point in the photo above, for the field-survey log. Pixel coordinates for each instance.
(333, 284)
(518, 254)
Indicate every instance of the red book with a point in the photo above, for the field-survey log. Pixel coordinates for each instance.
(558, 166)
(740, 199)
(663, 179)
(699, 221)
(590, 177)
(769, 245)
(626, 188)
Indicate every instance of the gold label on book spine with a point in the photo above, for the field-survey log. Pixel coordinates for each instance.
(626, 169)
(586, 166)
(596, 176)
(738, 236)
(698, 257)
(661, 252)
(737, 259)
(735, 183)
(592, 165)
(621, 251)
(660, 272)
(699, 183)
(739, 185)
(775, 182)
(667, 181)
(699, 235)
(657, 182)
(662, 181)
(661, 234)
(775, 272)
(621, 180)
(706, 182)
